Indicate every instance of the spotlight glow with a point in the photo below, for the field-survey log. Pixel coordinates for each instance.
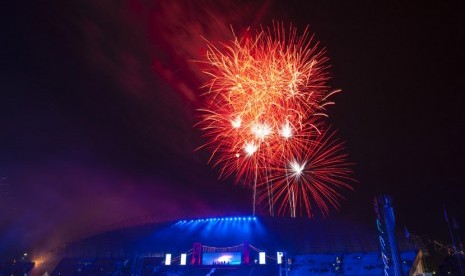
(183, 259)
(168, 259)
(261, 258)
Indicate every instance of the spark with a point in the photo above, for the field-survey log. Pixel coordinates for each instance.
(286, 131)
(250, 148)
(296, 168)
(236, 123)
(261, 131)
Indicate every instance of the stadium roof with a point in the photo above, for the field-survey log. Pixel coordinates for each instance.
(296, 236)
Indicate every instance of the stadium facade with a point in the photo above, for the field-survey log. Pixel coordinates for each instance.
(241, 246)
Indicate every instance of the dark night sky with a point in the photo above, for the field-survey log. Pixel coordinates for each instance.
(98, 102)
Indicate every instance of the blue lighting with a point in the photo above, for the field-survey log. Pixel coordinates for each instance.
(217, 219)
(228, 230)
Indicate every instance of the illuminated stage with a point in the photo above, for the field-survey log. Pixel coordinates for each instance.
(234, 246)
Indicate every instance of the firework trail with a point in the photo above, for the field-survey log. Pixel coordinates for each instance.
(265, 105)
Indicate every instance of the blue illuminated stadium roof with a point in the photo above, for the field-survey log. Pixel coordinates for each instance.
(294, 235)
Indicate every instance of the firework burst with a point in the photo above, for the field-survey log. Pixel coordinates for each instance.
(265, 105)
(309, 178)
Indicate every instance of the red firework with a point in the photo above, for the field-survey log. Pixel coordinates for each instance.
(309, 178)
(266, 99)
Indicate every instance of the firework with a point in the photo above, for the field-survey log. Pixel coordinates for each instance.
(266, 99)
(309, 178)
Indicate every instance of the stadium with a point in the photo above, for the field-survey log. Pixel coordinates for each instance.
(245, 245)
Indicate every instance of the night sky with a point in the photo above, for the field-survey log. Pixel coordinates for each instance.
(98, 104)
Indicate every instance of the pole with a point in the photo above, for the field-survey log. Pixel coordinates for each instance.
(453, 242)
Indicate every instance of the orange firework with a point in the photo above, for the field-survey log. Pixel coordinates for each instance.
(265, 97)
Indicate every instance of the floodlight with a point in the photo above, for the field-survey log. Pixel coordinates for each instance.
(279, 257)
(183, 259)
(261, 258)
